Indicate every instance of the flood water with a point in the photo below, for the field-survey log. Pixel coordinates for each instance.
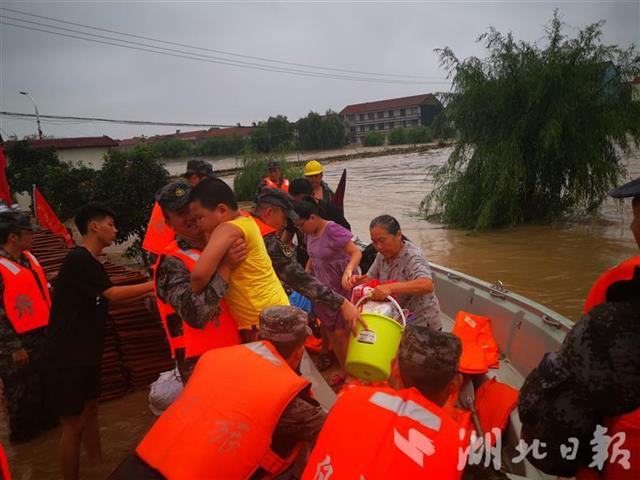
(553, 265)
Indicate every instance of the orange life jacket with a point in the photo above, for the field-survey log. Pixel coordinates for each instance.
(264, 228)
(222, 423)
(271, 184)
(4, 465)
(622, 271)
(220, 332)
(381, 433)
(479, 348)
(26, 303)
(158, 234)
(629, 424)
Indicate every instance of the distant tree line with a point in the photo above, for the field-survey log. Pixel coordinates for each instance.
(126, 183)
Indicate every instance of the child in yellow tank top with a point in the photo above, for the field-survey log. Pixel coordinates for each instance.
(253, 286)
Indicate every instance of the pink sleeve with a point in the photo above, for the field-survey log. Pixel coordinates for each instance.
(338, 235)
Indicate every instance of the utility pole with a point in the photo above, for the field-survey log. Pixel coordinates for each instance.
(33, 100)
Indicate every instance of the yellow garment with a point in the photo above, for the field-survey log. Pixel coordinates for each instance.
(253, 285)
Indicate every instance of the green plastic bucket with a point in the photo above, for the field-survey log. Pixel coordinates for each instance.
(371, 351)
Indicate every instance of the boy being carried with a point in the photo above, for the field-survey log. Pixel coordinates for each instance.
(253, 286)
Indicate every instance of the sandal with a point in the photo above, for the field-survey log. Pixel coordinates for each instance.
(324, 362)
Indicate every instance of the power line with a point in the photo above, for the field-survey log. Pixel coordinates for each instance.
(200, 57)
(112, 120)
(194, 47)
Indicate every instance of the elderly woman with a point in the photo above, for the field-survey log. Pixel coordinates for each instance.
(400, 260)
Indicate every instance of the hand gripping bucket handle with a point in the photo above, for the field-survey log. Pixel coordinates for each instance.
(393, 302)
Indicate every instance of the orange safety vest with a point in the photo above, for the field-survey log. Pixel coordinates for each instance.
(158, 234)
(629, 424)
(264, 228)
(26, 303)
(271, 184)
(479, 347)
(623, 271)
(381, 433)
(221, 332)
(222, 423)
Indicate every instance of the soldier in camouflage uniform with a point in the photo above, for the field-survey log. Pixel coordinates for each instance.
(285, 327)
(594, 375)
(273, 208)
(20, 354)
(173, 279)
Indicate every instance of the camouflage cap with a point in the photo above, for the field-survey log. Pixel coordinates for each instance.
(423, 346)
(283, 323)
(174, 196)
(16, 221)
(198, 167)
(629, 189)
(277, 198)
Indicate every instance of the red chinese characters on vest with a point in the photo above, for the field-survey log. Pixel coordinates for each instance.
(284, 186)
(158, 234)
(381, 433)
(222, 331)
(26, 299)
(222, 423)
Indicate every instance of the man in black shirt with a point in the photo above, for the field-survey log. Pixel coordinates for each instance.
(76, 336)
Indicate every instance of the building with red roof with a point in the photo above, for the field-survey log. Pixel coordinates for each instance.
(384, 115)
(194, 136)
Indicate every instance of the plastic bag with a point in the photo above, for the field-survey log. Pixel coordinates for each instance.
(164, 391)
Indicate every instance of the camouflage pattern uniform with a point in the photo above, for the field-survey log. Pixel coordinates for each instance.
(283, 258)
(303, 418)
(426, 348)
(173, 282)
(595, 374)
(22, 384)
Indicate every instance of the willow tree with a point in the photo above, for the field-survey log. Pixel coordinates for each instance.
(541, 130)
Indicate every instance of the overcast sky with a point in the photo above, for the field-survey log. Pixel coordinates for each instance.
(74, 77)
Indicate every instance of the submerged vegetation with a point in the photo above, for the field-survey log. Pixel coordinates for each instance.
(541, 130)
(254, 169)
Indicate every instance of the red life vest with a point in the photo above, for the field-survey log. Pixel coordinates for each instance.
(264, 228)
(158, 234)
(221, 332)
(629, 424)
(222, 423)
(479, 347)
(623, 271)
(4, 465)
(26, 303)
(381, 433)
(271, 184)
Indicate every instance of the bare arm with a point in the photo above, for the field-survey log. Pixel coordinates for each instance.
(222, 238)
(355, 255)
(419, 286)
(127, 292)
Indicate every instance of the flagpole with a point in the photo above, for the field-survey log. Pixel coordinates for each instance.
(33, 203)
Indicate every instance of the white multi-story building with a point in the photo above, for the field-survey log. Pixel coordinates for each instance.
(384, 115)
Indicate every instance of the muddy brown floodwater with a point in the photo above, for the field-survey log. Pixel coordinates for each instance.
(553, 265)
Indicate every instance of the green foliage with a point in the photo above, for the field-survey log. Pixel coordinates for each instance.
(316, 132)
(254, 169)
(227, 145)
(171, 148)
(64, 186)
(276, 134)
(419, 134)
(540, 130)
(127, 183)
(373, 139)
(398, 136)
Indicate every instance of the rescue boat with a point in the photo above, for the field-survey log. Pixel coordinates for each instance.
(524, 330)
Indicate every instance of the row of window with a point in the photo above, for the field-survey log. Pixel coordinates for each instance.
(385, 114)
(381, 126)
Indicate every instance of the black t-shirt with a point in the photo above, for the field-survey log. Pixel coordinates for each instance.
(78, 316)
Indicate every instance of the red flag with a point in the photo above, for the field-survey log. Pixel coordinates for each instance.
(5, 192)
(47, 218)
